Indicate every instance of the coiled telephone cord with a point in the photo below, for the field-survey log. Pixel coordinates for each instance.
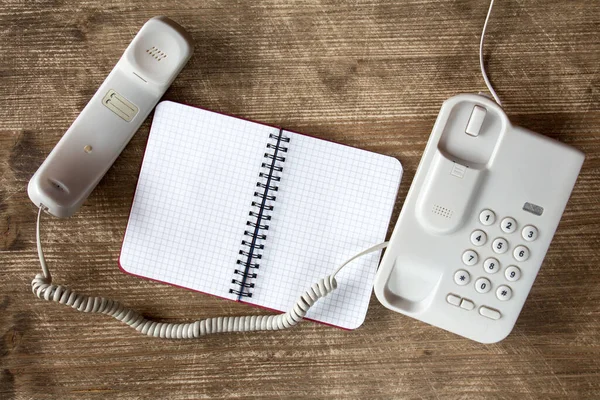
(43, 288)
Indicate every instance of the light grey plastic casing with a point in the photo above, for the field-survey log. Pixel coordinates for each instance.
(100, 133)
(501, 169)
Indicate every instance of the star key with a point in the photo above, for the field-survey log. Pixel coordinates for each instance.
(462, 277)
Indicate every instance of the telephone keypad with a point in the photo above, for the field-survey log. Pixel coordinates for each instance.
(493, 261)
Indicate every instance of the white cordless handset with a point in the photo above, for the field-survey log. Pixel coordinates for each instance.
(96, 138)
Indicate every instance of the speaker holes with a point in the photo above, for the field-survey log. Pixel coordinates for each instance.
(442, 211)
(156, 53)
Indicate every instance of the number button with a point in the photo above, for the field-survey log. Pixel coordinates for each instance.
(491, 265)
(483, 285)
(487, 217)
(469, 257)
(500, 245)
(462, 277)
(478, 238)
(503, 293)
(529, 233)
(508, 225)
(512, 273)
(521, 253)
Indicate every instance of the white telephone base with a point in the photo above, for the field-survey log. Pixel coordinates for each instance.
(477, 222)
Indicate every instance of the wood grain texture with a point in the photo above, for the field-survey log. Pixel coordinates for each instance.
(370, 74)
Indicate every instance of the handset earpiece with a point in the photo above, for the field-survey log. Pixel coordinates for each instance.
(146, 69)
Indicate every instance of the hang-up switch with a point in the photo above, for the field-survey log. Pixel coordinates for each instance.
(476, 121)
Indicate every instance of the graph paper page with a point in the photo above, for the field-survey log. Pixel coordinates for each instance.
(195, 191)
(333, 201)
(192, 199)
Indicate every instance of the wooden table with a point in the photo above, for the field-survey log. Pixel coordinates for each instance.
(367, 74)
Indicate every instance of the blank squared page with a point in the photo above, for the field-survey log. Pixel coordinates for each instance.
(333, 201)
(192, 199)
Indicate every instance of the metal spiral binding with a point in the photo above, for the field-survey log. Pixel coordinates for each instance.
(250, 254)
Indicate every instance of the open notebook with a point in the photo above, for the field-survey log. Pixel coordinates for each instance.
(254, 213)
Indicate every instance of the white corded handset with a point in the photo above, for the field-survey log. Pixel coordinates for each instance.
(100, 133)
(90, 146)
